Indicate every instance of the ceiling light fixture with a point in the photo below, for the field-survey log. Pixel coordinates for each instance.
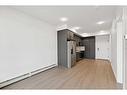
(86, 34)
(64, 19)
(100, 22)
(76, 28)
(102, 31)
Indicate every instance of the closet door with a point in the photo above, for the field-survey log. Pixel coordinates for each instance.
(102, 47)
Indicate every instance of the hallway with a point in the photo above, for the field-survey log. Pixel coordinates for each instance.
(87, 74)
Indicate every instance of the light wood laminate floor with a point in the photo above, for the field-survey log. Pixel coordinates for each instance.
(86, 74)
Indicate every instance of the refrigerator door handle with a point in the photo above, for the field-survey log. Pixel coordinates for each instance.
(72, 51)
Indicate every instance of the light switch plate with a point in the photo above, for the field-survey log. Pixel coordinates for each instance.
(126, 36)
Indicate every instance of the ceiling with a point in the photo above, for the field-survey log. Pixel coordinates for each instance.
(85, 17)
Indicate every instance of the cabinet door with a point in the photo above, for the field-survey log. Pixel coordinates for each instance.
(70, 35)
(89, 44)
(92, 48)
(87, 49)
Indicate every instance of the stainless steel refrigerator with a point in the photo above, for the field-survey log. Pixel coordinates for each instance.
(71, 53)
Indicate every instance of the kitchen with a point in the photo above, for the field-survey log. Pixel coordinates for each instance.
(71, 48)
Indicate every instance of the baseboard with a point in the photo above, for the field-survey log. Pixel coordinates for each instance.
(103, 59)
(8, 82)
(119, 86)
(113, 70)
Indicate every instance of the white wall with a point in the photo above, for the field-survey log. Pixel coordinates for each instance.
(102, 43)
(119, 30)
(26, 43)
(117, 46)
(114, 49)
(125, 48)
(126, 64)
(126, 61)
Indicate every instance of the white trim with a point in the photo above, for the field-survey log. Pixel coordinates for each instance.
(113, 71)
(124, 66)
(119, 30)
(5, 83)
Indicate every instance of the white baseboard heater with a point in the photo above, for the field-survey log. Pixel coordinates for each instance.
(8, 82)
